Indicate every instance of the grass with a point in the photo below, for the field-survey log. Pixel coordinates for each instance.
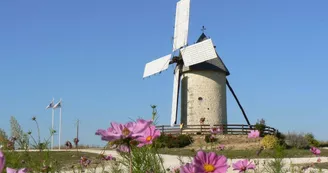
(64, 159)
(235, 154)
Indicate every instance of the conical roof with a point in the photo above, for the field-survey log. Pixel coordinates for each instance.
(213, 64)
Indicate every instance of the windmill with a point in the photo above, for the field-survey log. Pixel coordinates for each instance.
(199, 73)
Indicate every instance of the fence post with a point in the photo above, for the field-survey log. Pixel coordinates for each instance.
(162, 128)
(242, 126)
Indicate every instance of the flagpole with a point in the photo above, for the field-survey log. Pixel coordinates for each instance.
(60, 124)
(52, 137)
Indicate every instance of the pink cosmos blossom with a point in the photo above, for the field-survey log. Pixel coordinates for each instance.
(187, 168)
(243, 165)
(221, 147)
(123, 148)
(10, 170)
(2, 161)
(210, 162)
(85, 161)
(122, 131)
(109, 157)
(148, 136)
(215, 130)
(253, 134)
(315, 151)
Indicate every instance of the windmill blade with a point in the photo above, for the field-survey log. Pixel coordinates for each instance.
(175, 99)
(157, 66)
(181, 24)
(198, 53)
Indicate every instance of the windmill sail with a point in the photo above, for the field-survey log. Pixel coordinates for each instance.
(198, 53)
(157, 65)
(175, 99)
(181, 24)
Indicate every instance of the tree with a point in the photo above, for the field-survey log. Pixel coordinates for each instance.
(17, 132)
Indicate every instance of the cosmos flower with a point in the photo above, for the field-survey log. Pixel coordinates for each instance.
(123, 131)
(109, 157)
(253, 134)
(187, 168)
(148, 136)
(11, 170)
(221, 147)
(123, 148)
(210, 162)
(215, 130)
(2, 161)
(243, 165)
(315, 151)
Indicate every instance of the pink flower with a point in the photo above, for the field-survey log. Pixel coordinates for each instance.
(210, 162)
(318, 160)
(253, 134)
(85, 161)
(10, 170)
(148, 136)
(123, 148)
(315, 151)
(122, 131)
(187, 168)
(243, 165)
(221, 147)
(2, 161)
(109, 157)
(215, 130)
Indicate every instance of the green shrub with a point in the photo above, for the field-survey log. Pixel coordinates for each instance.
(269, 141)
(295, 140)
(311, 140)
(260, 126)
(173, 141)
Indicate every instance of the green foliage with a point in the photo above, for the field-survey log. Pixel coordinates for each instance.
(210, 139)
(296, 140)
(143, 159)
(311, 140)
(173, 141)
(260, 126)
(269, 142)
(17, 132)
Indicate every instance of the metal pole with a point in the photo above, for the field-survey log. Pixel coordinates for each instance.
(77, 131)
(242, 110)
(60, 124)
(52, 137)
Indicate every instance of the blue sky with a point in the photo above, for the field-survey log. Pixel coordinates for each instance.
(92, 55)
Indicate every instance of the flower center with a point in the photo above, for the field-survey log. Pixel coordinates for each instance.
(125, 131)
(243, 168)
(208, 167)
(148, 138)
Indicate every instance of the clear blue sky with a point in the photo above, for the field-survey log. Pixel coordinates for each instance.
(92, 55)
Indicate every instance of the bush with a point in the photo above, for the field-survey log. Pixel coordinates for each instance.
(296, 140)
(269, 141)
(311, 140)
(173, 141)
(260, 126)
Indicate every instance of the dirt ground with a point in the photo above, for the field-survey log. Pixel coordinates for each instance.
(231, 142)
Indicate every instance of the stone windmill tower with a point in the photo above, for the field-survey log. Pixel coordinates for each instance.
(203, 91)
(199, 73)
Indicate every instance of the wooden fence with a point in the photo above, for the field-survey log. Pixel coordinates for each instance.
(233, 129)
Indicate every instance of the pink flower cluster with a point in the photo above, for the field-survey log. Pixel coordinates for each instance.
(9, 170)
(142, 131)
(212, 163)
(253, 134)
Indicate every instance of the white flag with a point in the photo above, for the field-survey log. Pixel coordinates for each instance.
(51, 105)
(58, 105)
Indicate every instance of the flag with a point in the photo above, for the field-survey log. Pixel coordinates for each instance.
(58, 105)
(51, 105)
